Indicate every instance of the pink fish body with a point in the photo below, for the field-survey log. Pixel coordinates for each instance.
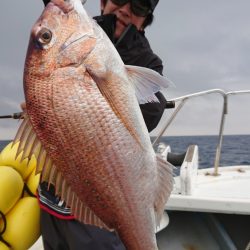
(85, 126)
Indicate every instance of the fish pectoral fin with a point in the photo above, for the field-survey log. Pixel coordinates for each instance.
(147, 82)
(29, 145)
(164, 186)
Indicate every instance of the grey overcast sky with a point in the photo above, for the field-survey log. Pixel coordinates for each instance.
(204, 44)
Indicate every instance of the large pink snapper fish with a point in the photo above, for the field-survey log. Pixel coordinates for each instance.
(85, 126)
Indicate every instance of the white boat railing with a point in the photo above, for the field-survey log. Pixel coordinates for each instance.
(183, 99)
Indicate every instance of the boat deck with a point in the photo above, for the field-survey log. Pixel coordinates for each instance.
(206, 231)
(226, 193)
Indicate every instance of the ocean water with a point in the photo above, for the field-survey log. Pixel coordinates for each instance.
(235, 148)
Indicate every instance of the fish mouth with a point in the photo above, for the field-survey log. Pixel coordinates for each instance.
(61, 6)
(57, 10)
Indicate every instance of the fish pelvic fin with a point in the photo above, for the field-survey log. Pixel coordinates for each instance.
(147, 82)
(164, 186)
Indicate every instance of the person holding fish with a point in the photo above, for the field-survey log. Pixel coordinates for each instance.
(124, 22)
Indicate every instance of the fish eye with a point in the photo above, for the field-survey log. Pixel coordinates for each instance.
(44, 36)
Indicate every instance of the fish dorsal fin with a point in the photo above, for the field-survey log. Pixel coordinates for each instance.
(164, 186)
(29, 145)
(147, 82)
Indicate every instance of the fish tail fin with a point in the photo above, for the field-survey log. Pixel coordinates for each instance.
(164, 186)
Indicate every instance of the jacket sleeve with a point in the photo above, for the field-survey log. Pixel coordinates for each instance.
(152, 112)
(46, 2)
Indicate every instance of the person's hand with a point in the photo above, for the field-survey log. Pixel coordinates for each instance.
(46, 2)
(23, 106)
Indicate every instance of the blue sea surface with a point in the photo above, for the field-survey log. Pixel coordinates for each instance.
(3, 144)
(235, 148)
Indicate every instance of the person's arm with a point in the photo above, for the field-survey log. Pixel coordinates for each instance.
(46, 2)
(152, 112)
(23, 106)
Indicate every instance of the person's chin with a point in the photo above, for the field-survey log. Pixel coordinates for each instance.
(120, 27)
(117, 34)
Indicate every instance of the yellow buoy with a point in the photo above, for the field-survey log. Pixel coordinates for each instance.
(33, 181)
(23, 224)
(7, 158)
(11, 187)
(3, 246)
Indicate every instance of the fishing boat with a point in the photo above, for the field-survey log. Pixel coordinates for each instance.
(208, 208)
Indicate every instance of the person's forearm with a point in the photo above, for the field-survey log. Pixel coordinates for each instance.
(152, 112)
(46, 2)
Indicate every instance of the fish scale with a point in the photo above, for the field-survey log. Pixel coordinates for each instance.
(112, 139)
(85, 123)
